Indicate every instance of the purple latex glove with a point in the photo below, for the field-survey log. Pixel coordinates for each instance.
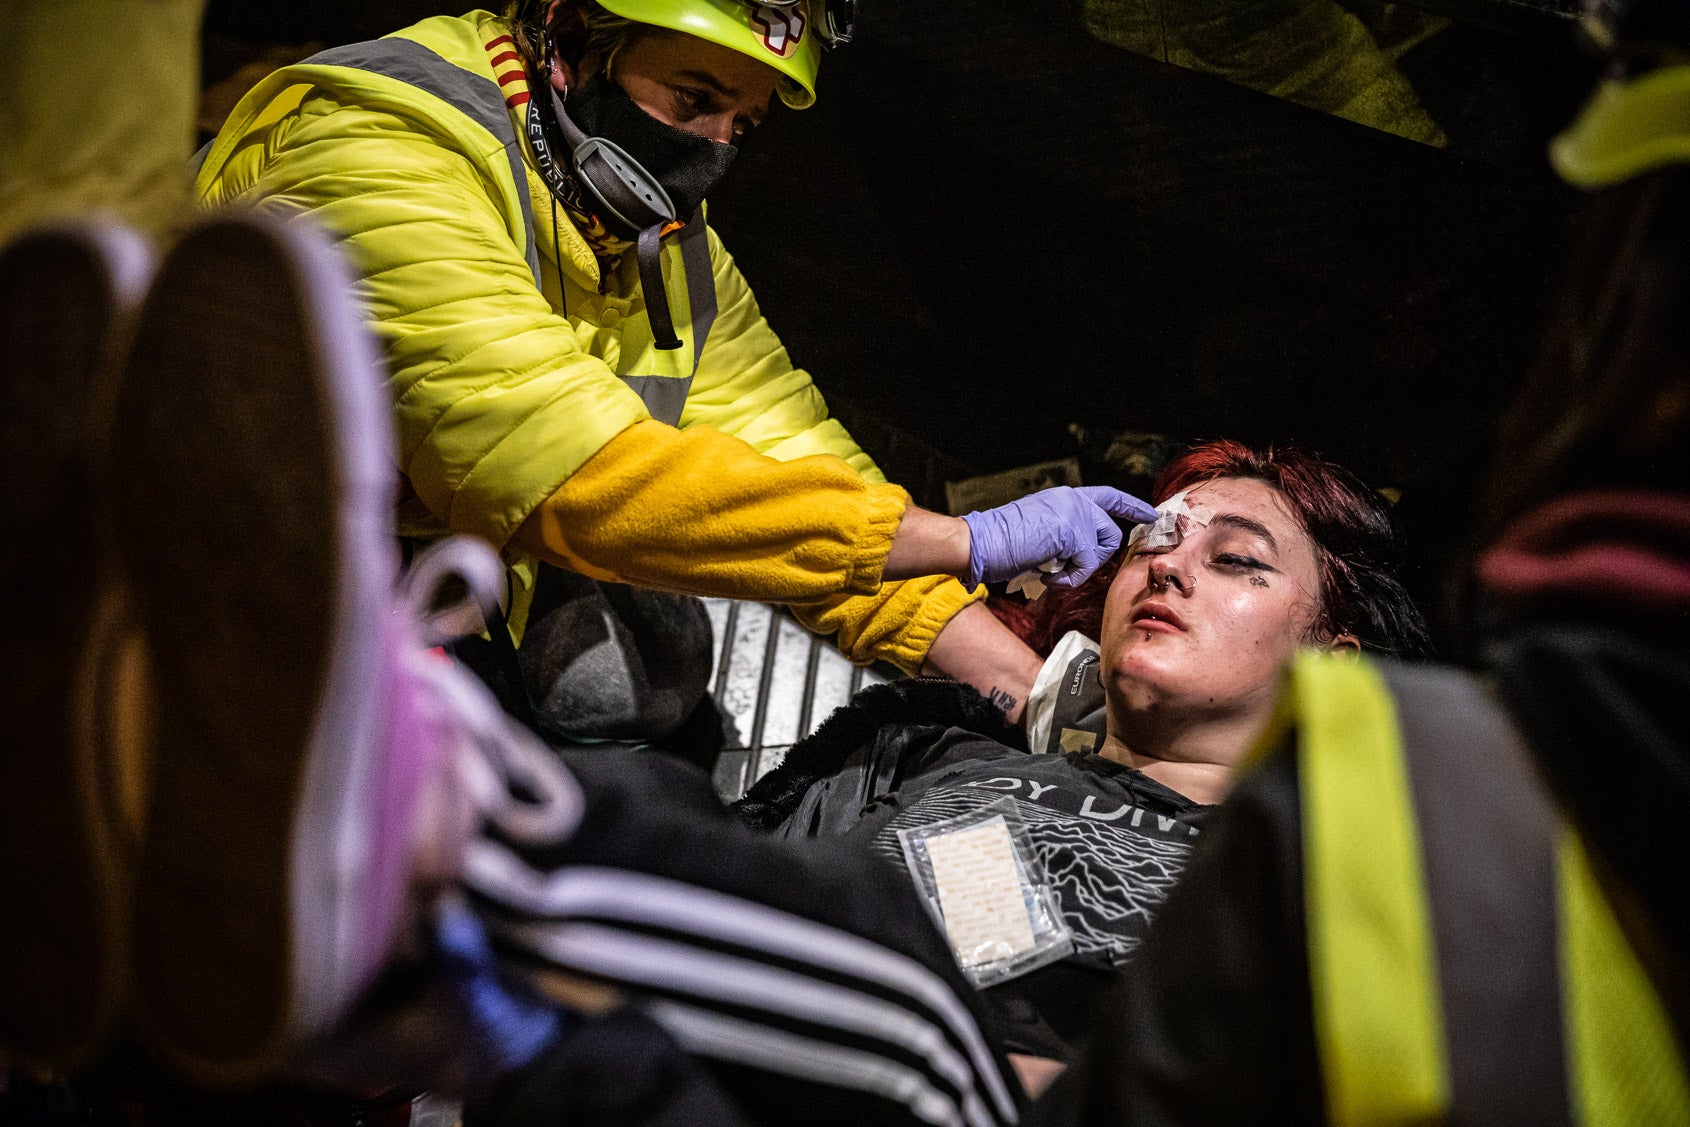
(1073, 526)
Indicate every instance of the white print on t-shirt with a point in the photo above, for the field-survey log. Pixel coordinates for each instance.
(1088, 808)
(1109, 879)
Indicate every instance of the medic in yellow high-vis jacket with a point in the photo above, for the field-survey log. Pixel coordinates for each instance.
(538, 406)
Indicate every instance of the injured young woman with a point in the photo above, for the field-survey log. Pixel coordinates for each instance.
(1046, 866)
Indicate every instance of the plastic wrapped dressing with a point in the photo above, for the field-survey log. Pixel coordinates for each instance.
(981, 878)
(1066, 709)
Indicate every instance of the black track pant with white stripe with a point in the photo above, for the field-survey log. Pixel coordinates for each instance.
(804, 976)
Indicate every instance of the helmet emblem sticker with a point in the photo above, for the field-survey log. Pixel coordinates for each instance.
(781, 28)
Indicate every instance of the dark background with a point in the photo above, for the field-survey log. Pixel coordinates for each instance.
(991, 227)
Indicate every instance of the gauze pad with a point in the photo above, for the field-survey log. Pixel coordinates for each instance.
(979, 888)
(1030, 584)
(1175, 520)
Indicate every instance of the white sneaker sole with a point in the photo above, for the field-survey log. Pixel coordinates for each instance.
(251, 483)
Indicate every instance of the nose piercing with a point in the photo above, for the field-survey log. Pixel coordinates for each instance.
(1185, 583)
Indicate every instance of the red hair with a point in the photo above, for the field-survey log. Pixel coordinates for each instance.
(1355, 544)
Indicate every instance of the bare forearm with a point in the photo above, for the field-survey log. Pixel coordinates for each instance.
(927, 543)
(974, 647)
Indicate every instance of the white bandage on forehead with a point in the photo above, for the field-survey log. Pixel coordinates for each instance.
(1175, 520)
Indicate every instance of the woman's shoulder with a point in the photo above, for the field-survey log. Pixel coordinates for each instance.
(889, 734)
(915, 711)
(937, 702)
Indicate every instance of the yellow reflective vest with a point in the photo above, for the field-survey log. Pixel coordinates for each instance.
(1466, 965)
(514, 362)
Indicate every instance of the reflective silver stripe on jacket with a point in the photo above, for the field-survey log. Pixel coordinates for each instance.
(483, 102)
(477, 98)
(1488, 832)
(665, 396)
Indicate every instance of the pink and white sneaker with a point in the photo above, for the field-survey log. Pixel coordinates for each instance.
(298, 739)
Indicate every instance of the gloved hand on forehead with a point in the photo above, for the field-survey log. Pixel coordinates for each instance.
(1074, 526)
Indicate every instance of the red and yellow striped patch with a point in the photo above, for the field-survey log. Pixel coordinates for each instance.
(512, 72)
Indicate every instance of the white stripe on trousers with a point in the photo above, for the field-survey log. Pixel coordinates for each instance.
(711, 1034)
(642, 898)
(666, 964)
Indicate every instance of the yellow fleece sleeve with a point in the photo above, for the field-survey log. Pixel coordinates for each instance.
(748, 386)
(700, 512)
(897, 623)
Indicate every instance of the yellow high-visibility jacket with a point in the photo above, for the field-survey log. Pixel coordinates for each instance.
(526, 413)
(1466, 964)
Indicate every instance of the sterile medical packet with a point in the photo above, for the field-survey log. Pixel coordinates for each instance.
(1066, 709)
(985, 886)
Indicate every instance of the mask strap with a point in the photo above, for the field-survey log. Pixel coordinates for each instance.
(597, 170)
(572, 133)
(649, 252)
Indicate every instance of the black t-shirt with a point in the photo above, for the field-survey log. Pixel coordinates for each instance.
(1112, 841)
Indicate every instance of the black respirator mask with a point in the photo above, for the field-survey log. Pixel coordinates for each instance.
(639, 175)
